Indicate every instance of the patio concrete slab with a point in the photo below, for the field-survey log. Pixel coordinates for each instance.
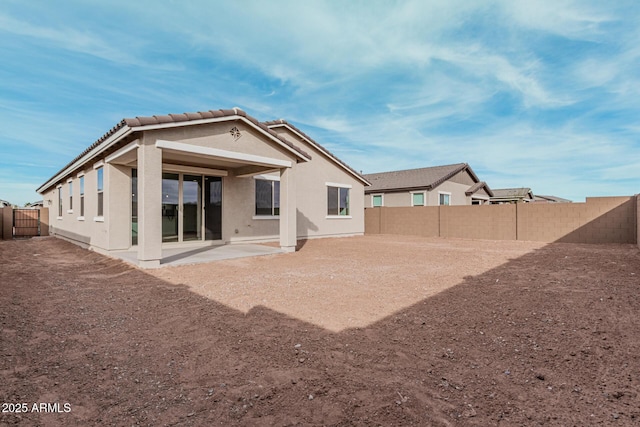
(201, 254)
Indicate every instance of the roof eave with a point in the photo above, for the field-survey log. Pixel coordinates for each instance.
(283, 123)
(121, 133)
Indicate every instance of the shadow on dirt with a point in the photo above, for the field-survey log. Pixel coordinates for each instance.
(548, 338)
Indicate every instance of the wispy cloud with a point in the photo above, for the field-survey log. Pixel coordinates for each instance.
(540, 94)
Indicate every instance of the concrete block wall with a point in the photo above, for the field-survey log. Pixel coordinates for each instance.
(491, 222)
(598, 220)
(409, 221)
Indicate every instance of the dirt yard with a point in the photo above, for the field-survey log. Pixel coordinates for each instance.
(374, 330)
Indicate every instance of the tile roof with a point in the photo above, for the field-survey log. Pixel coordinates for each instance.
(282, 122)
(141, 122)
(415, 178)
(551, 199)
(477, 186)
(512, 193)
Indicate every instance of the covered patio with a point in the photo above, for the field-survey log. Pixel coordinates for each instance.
(173, 256)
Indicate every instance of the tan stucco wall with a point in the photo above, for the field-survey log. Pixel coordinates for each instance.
(87, 232)
(238, 200)
(311, 189)
(217, 135)
(7, 223)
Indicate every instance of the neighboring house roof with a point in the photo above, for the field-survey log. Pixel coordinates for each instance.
(34, 204)
(477, 187)
(549, 199)
(512, 193)
(127, 126)
(281, 122)
(428, 178)
(4, 203)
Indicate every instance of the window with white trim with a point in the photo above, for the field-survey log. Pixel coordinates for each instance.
(337, 201)
(376, 200)
(82, 196)
(70, 196)
(444, 199)
(267, 197)
(60, 201)
(100, 190)
(417, 199)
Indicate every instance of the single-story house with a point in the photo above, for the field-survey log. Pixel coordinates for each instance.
(539, 198)
(205, 178)
(455, 184)
(511, 195)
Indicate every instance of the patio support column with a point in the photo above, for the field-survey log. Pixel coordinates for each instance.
(149, 205)
(288, 211)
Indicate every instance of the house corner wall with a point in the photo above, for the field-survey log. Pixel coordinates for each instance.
(44, 222)
(7, 223)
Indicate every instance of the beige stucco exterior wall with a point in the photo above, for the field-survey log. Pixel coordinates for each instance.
(311, 189)
(239, 223)
(6, 223)
(87, 231)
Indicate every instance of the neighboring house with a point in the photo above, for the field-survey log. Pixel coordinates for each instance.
(204, 178)
(511, 195)
(438, 185)
(35, 205)
(5, 204)
(539, 198)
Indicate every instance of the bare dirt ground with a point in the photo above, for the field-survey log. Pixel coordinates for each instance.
(374, 330)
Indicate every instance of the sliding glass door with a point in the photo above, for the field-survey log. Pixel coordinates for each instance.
(170, 206)
(213, 207)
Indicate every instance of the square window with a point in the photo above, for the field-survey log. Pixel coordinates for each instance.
(267, 197)
(377, 200)
(337, 201)
(417, 199)
(445, 199)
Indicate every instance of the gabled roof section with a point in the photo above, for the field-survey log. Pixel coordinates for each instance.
(411, 179)
(283, 123)
(127, 126)
(550, 199)
(513, 193)
(477, 187)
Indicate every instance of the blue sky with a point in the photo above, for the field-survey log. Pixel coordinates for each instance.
(540, 94)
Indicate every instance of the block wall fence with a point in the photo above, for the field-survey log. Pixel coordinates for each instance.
(598, 220)
(6, 222)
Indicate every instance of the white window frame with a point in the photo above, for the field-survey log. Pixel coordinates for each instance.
(97, 167)
(81, 191)
(424, 197)
(272, 178)
(59, 188)
(373, 205)
(70, 183)
(448, 194)
(339, 185)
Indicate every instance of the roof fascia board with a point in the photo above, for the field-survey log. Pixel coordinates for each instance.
(222, 154)
(319, 148)
(398, 190)
(219, 120)
(106, 144)
(121, 152)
